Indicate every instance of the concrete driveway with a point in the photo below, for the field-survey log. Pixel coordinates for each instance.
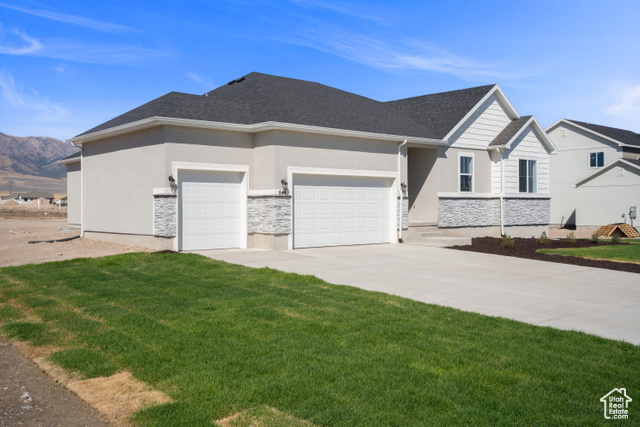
(597, 301)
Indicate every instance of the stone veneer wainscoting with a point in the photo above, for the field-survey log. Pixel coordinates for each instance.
(164, 215)
(458, 212)
(269, 214)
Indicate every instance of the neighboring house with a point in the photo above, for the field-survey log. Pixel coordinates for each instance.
(74, 189)
(273, 162)
(35, 195)
(596, 176)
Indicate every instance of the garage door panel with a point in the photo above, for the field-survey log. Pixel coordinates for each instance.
(332, 211)
(210, 210)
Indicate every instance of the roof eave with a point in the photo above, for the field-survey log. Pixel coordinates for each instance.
(570, 123)
(604, 169)
(237, 127)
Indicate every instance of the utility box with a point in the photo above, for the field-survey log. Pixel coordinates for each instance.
(633, 212)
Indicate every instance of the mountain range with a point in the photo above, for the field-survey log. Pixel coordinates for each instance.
(30, 163)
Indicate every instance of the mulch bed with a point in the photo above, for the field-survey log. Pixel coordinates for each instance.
(526, 248)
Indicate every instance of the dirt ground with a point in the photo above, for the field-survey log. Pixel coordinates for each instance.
(46, 403)
(29, 397)
(527, 248)
(15, 249)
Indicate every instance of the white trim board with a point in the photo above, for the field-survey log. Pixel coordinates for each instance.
(252, 128)
(577, 126)
(537, 128)
(605, 169)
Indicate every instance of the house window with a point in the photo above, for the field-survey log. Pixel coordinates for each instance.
(528, 176)
(596, 160)
(466, 173)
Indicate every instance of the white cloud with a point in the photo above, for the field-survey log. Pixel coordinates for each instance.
(99, 53)
(628, 103)
(73, 19)
(20, 44)
(18, 101)
(77, 51)
(395, 53)
(361, 14)
(200, 80)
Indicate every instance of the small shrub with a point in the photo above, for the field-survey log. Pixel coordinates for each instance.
(571, 239)
(543, 239)
(595, 238)
(615, 239)
(507, 241)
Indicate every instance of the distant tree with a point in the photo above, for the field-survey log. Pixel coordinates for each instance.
(11, 184)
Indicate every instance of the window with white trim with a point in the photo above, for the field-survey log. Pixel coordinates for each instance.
(596, 160)
(466, 173)
(528, 174)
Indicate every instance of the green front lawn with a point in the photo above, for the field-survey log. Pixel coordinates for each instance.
(221, 338)
(627, 253)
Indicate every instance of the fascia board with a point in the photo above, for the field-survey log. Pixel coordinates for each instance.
(577, 126)
(253, 128)
(67, 161)
(605, 169)
(539, 131)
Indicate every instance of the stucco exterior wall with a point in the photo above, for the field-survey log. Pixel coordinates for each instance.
(206, 146)
(483, 126)
(603, 199)
(423, 184)
(571, 164)
(74, 196)
(449, 170)
(319, 151)
(119, 176)
(527, 146)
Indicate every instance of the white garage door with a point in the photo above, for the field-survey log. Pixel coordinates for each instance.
(335, 211)
(210, 210)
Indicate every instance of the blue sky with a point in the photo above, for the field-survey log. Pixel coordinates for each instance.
(68, 66)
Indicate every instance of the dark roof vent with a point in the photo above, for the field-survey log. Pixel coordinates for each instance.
(240, 80)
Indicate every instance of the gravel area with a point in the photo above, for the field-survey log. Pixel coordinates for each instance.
(15, 235)
(29, 397)
(527, 248)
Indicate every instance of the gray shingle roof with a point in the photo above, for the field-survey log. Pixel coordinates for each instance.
(620, 135)
(509, 132)
(634, 161)
(440, 112)
(258, 98)
(37, 194)
(73, 156)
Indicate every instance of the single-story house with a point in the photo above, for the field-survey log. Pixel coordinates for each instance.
(32, 195)
(273, 162)
(596, 177)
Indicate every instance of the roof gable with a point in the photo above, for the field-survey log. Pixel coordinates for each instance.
(621, 137)
(514, 129)
(633, 164)
(441, 112)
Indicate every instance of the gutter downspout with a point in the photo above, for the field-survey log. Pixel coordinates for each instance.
(502, 184)
(399, 180)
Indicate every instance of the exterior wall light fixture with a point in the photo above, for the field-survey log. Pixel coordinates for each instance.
(285, 187)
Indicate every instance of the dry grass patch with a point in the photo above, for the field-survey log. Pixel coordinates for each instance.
(263, 416)
(117, 397)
